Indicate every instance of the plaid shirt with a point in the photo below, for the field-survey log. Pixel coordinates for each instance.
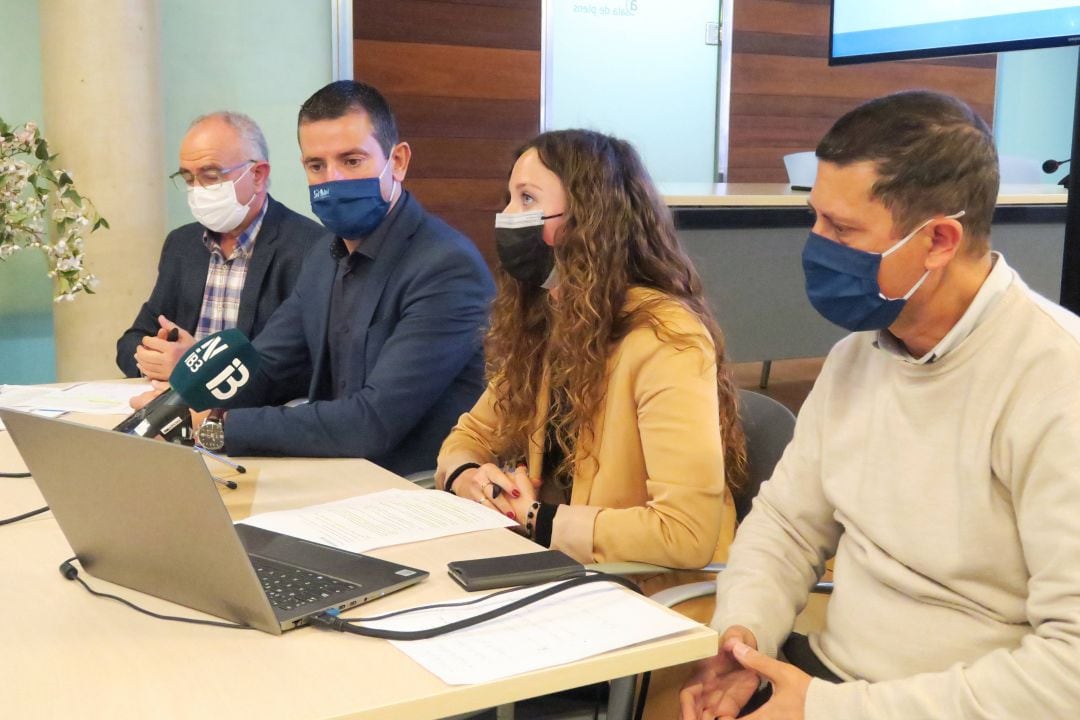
(225, 279)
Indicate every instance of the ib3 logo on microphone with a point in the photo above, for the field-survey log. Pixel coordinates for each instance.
(227, 382)
(204, 352)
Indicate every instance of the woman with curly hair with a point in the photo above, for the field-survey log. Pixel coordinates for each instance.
(608, 429)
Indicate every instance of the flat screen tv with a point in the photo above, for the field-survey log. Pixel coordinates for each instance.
(872, 30)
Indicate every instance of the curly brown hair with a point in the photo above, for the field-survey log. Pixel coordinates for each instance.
(618, 233)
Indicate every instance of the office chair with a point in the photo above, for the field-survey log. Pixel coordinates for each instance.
(768, 427)
(423, 478)
(801, 169)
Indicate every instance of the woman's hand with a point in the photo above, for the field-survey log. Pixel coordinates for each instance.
(510, 493)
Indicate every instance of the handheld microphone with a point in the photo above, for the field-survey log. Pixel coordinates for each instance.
(166, 415)
(1052, 165)
(207, 375)
(214, 369)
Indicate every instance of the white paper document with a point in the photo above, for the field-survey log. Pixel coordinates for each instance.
(381, 519)
(569, 626)
(94, 398)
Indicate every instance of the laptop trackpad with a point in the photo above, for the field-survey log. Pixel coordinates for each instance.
(321, 559)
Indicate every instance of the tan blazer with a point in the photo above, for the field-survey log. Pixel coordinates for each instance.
(651, 489)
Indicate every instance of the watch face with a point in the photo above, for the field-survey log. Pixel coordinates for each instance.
(211, 435)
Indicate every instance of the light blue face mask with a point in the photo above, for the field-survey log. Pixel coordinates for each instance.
(842, 282)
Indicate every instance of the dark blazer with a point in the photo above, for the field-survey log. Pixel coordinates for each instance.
(280, 246)
(416, 342)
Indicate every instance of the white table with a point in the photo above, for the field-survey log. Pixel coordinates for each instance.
(68, 654)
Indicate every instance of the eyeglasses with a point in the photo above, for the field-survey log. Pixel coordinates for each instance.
(207, 177)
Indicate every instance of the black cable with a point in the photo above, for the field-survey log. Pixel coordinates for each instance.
(436, 606)
(71, 573)
(17, 518)
(349, 625)
(14, 475)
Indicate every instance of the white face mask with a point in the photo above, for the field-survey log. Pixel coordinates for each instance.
(216, 207)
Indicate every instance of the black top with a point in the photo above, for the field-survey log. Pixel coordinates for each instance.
(352, 272)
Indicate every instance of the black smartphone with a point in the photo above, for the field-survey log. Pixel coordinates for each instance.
(514, 570)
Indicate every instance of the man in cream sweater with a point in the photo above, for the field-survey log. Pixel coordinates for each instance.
(937, 457)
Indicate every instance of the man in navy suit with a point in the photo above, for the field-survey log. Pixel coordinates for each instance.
(387, 319)
(234, 266)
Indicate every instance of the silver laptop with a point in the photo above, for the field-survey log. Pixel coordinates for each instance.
(148, 515)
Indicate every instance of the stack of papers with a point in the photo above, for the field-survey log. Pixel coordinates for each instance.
(566, 627)
(95, 398)
(381, 519)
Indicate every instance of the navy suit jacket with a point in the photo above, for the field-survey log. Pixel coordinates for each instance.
(416, 339)
(280, 246)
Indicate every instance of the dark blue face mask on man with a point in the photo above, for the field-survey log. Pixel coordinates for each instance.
(842, 283)
(350, 209)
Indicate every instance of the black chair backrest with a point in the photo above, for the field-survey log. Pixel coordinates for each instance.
(768, 427)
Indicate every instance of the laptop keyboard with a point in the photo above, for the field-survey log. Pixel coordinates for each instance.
(289, 588)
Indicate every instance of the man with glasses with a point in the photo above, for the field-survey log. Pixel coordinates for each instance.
(386, 323)
(231, 268)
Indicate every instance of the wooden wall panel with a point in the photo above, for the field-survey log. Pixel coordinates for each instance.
(449, 70)
(451, 157)
(784, 95)
(463, 79)
(476, 24)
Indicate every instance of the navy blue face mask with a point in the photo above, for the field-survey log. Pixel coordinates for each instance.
(350, 209)
(842, 283)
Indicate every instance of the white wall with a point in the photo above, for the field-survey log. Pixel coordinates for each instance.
(638, 69)
(1033, 111)
(260, 57)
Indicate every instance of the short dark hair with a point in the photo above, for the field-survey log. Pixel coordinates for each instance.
(933, 154)
(342, 97)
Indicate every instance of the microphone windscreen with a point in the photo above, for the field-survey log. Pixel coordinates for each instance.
(1050, 166)
(214, 369)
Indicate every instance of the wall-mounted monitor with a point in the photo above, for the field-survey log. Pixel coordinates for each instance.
(870, 31)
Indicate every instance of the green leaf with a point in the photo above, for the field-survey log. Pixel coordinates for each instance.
(64, 179)
(41, 152)
(4, 127)
(70, 194)
(101, 222)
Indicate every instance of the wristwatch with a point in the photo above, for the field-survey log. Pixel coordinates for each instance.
(211, 434)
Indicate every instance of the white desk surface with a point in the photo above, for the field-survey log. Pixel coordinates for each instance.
(781, 195)
(68, 654)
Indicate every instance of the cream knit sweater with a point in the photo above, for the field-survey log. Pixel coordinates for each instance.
(950, 495)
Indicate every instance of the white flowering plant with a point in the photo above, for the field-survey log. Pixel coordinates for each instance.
(41, 209)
